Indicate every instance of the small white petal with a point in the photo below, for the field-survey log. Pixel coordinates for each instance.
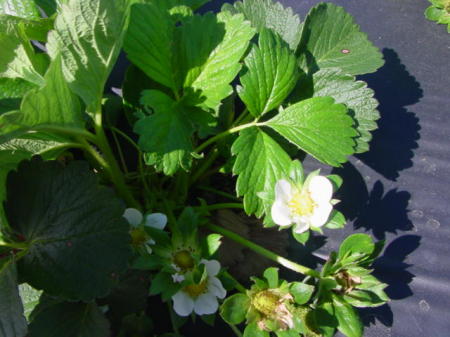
(148, 249)
(212, 267)
(216, 288)
(321, 189)
(133, 216)
(183, 304)
(206, 304)
(283, 190)
(156, 220)
(301, 227)
(150, 242)
(177, 278)
(320, 215)
(281, 214)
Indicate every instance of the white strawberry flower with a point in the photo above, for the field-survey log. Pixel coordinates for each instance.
(306, 206)
(201, 298)
(137, 222)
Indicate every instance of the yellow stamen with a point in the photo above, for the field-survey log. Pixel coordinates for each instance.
(183, 260)
(195, 290)
(138, 236)
(301, 204)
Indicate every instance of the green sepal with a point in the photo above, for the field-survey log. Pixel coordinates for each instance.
(336, 220)
(301, 237)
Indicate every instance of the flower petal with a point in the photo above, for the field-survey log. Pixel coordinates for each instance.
(183, 304)
(206, 304)
(281, 214)
(301, 227)
(321, 189)
(133, 216)
(212, 267)
(156, 220)
(320, 215)
(216, 288)
(283, 190)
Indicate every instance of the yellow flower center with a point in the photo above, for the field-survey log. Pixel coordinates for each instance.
(301, 204)
(195, 290)
(138, 236)
(266, 302)
(183, 260)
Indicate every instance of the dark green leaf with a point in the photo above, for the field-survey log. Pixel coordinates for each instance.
(363, 298)
(12, 320)
(260, 163)
(270, 75)
(336, 181)
(271, 14)
(234, 308)
(88, 35)
(356, 244)
(349, 322)
(323, 319)
(48, 6)
(78, 239)
(163, 284)
(302, 292)
(318, 127)
(70, 320)
(330, 38)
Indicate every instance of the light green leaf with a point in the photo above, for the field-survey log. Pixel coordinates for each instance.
(318, 127)
(88, 35)
(212, 243)
(336, 220)
(18, 59)
(30, 298)
(359, 244)
(349, 322)
(270, 75)
(166, 134)
(364, 298)
(234, 308)
(271, 14)
(211, 61)
(271, 275)
(78, 239)
(260, 163)
(149, 43)
(358, 98)
(11, 92)
(52, 105)
(12, 320)
(302, 292)
(21, 8)
(330, 38)
(252, 330)
(70, 320)
(302, 237)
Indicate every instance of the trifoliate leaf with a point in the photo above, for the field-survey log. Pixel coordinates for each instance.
(149, 43)
(52, 105)
(270, 14)
(88, 34)
(18, 59)
(318, 127)
(78, 239)
(165, 135)
(12, 320)
(30, 298)
(260, 163)
(21, 8)
(211, 61)
(70, 320)
(348, 319)
(330, 38)
(234, 308)
(270, 75)
(358, 98)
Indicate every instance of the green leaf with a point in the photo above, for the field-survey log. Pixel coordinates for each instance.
(271, 275)
(260, 163)
(302, 292)
(271, 14)
(11, 92)
(234, 308)
(48, 6)
(318, 127)
(302, 237)
(356, 244)
(70, 320)
(212, 244)
(252, 330)
(18, 59)
(78, 239)
(12, 320)
(88, 35)
(211, 61)
(358, 98)
(52, 105)
(166, 134)
(336, 220)
(30, 298)
(330, 38)
(163, 284)
(149, 43)
(323, 319)
(21, 8)
(336, 181)
(270, 75)
(349, 322)
(363, 298)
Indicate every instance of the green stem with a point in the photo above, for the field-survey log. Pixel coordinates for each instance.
(68, 131)
(223, 194)
(13, 245)
(221, 206)
(172, 320)
(241, 117)
(264, 252)
(235, 330)
(119, 150)
(224, 134)
(237, 284)
(210, 158)
(111, 165)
